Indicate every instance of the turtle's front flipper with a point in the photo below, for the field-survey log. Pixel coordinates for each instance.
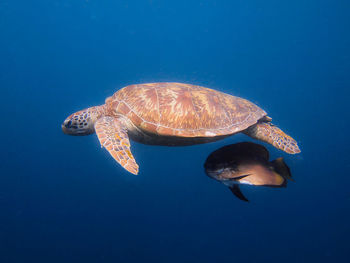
(114, 137)
(269, 133)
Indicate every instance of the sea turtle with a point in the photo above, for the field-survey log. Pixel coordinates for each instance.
(172, 114)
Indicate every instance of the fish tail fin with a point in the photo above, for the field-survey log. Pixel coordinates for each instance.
(282, 168)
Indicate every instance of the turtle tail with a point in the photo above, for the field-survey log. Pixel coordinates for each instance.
(267, 132)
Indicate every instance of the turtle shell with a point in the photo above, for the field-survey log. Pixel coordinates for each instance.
(176, 109)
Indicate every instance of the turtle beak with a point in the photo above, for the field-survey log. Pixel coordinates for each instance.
(67, 126)
(63, 128)
(71, 128)
(74, 127)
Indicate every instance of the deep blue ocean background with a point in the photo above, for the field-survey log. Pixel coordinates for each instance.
(64, 199)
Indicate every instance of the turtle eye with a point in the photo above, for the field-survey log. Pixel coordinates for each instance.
(68, 124)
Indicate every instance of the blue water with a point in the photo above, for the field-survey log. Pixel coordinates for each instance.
(64, 199)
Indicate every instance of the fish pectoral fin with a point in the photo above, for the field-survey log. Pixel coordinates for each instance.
(239, 177)
(114, 137)
(237, 192)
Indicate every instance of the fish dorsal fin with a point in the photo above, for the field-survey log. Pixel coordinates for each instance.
(237, 192)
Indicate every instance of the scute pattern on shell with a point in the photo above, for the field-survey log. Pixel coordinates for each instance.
(184, 110)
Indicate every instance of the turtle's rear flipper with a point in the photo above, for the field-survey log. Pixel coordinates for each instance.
(114, 137)
(269, 133)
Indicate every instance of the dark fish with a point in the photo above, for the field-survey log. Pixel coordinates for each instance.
(246, 163)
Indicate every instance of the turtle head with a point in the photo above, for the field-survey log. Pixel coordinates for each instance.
(82, 122)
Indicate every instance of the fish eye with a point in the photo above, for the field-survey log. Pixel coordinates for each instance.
(219, 170)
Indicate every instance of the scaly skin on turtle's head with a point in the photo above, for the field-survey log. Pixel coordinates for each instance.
(82, 122)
